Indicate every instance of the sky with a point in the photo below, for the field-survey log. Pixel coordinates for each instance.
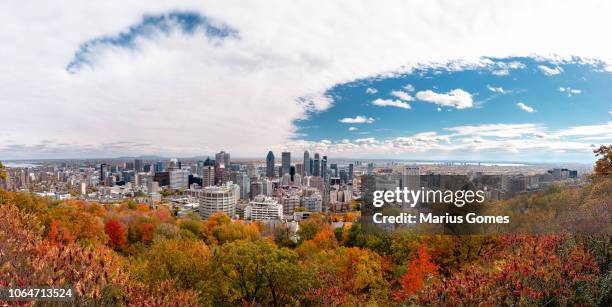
(475, 80)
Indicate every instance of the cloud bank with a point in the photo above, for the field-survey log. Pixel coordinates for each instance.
(97, 78)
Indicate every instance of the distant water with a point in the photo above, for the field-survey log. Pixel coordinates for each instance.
(456, 163)
(19, 164)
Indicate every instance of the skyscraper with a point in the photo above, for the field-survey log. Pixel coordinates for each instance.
(310, 167)
(285, 162)
(350, 172)
(270, 165)
(306, 165)
(223, 157)
(103, 171)
(244, 182)
(138, 165)
(316, 168)
(334, 170)
(324, 167)
(208, 176)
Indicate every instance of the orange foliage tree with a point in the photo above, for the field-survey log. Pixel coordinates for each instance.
(418, 271)
(59, 233)
(603, 166)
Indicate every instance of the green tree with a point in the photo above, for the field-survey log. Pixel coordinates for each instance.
(247, 272)
(2, 172)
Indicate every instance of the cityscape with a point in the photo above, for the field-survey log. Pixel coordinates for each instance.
(280, 190)
(306, 153)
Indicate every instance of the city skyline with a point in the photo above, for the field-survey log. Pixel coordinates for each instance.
(183, 81)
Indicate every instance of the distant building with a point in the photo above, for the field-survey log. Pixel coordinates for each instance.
(223, 157)
(83, 188)
(316, 168)
(270, 165)
(179, 179)
(306, 165)
(103, 172)
(244, 182)
(208, 176)
(411, 178)
(285, 163)
(263, 208)
(138, 167)
(163, 178)
(324, 173)
(218, 199)
(312, 200)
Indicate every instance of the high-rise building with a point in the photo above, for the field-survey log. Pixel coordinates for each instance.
(343, 176)
(270, 164)
(219, 199)
(324, 173)
(285, 162)
(159, 166)
(370, 168)
(316, 168)
(138, 167)
(103, 172)
(334, 170)
(244, 182)
(223, 157)
(306, 165)
(208, 176)
(310, 167)
(209, 162)
(351, 173)
(83, 188)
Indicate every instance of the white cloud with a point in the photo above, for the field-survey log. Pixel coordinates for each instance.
(357, 120)
(390, 103)
(570, 91)
(501, 72)
(497, 130)
(525, 107)
(402, 95)
(496, 89)
(586, 130)
(146, 100)
(507, 141)
(610, 112)
(550, 71)
(457, 98)
(352, 128)
(409, 87)
(371, 90)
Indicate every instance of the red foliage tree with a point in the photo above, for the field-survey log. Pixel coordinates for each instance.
(116, 233)
(530, 271)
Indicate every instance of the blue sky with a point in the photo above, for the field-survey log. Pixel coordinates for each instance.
(555, 95)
